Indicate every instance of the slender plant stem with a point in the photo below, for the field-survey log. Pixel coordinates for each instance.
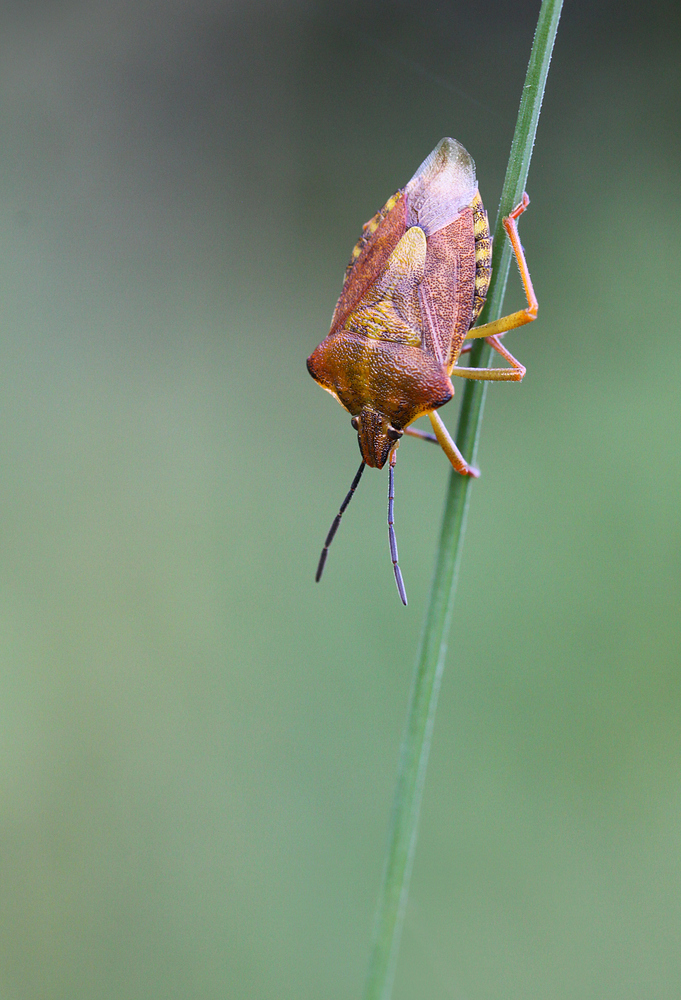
(418, 732)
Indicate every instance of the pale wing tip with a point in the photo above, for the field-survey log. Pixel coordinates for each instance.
(450, 158)
(443, 185)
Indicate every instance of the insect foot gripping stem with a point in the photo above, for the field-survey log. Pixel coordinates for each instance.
(391, 529)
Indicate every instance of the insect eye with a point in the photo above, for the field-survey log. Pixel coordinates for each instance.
(355, 423)
(394, 434)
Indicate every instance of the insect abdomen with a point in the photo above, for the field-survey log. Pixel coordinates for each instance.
(483, 256)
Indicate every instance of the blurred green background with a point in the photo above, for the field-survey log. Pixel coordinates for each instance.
(199, 744)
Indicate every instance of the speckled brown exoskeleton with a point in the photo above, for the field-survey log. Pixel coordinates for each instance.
(415, 285)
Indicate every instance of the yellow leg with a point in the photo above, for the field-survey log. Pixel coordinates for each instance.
(448, 445)
(514, 374)
(492, 331)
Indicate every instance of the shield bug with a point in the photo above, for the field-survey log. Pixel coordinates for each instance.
(414, 287)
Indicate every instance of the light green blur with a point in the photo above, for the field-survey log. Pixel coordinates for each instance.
(198, 743)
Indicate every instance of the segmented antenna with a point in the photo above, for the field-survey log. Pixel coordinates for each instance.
(391, 529)
(336, 521)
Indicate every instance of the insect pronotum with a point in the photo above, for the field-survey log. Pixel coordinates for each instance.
(415, 285)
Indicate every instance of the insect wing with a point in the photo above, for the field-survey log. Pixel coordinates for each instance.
(442, 186)
(389, 293)
(447, 292)
(438, 199)
(390, 308)
(369, 257)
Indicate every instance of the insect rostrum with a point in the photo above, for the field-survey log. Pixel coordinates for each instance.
(414, 287)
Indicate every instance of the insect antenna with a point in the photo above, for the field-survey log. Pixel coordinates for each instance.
(391, 529)
(336, 521)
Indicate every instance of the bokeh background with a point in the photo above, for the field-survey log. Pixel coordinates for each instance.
(198, 745)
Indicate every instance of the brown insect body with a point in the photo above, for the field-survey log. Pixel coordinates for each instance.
(407, 303)
(414, 287)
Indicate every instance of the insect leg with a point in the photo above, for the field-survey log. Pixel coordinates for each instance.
(336, 521)
(514, 374)
(423, 435)
(446, 442)
(391, 528)
(524, 315)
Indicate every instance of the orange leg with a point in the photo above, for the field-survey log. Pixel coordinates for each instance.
(513, 374)
(497, 328)
(448, 445)
(446, 442)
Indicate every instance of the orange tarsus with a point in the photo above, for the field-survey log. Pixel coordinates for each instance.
(510, 225)
(520, 207)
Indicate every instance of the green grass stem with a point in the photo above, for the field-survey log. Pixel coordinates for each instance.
(433, 649)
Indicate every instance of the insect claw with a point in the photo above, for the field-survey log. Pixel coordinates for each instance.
(520, 207)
